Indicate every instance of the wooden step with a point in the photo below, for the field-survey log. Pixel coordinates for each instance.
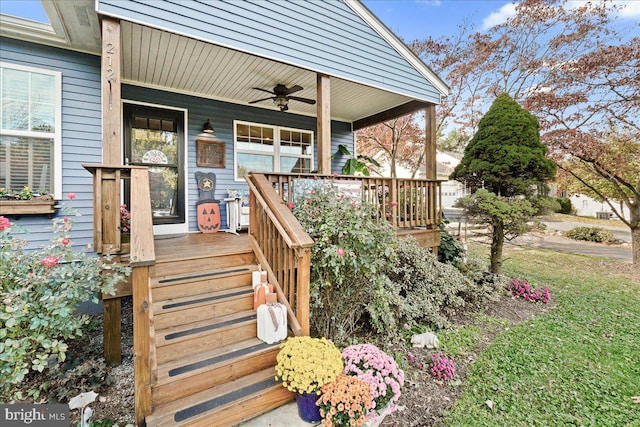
(172, 267)
(178, 286)
(196, 308)
(183, 340)
(192, 374)
(224, 405)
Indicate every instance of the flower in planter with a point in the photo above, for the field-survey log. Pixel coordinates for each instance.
(345, 402)
(379, 370)
(305, 364)
(4, 223)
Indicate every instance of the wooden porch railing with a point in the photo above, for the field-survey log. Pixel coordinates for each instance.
(283, 248)
(107, 185)
(405, 202)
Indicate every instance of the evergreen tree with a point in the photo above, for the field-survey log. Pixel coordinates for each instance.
(504, 157)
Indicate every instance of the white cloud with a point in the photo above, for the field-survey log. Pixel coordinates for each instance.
(630, 9)
(500, 16)
(429, 2)
(626, 9)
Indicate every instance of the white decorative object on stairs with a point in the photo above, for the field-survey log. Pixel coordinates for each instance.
(272, 321)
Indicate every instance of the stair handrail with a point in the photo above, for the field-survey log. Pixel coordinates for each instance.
(283, 247)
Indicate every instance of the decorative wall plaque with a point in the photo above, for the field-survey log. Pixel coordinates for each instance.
(210, 154)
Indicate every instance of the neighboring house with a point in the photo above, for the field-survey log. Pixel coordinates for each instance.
(167, 69)
(446, 161)
(142, 83)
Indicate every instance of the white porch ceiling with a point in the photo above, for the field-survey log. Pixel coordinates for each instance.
(163, 60)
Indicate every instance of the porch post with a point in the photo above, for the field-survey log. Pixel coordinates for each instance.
(324, 124)
(111, 111)
(111, 155)
(430, 142)
(431, 171)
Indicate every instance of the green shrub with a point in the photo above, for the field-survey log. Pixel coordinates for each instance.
(348, 262)
(487, 286)
(40, 291)
(428, 289)
(565, 205)
(451, 249)
(590, 234)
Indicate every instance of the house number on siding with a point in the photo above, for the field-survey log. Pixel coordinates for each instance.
(110, 72)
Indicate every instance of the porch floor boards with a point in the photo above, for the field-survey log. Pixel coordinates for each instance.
(199, 245)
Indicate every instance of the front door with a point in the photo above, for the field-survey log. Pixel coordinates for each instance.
(154, 137)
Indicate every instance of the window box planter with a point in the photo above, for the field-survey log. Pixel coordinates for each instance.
(27, 207)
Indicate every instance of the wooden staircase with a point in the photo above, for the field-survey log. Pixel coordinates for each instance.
(197, 361)
(207, 366)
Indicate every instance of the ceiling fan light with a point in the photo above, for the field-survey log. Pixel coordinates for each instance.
(281, 102)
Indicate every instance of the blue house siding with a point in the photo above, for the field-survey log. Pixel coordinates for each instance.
(322, 36)
(222, 115)
(81, 131)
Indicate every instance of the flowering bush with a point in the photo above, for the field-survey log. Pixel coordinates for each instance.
(347, 261)
(344, 402)
(125, 219)
(378, 370)
(441, 367)
(305, 364)
(414, 361)
(39, 293)
(522, 288)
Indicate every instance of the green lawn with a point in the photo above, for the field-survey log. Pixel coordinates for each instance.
(578, 364)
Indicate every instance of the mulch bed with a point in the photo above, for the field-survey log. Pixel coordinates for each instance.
(424, 401)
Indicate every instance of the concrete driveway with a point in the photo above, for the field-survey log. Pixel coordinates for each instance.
(552, 239)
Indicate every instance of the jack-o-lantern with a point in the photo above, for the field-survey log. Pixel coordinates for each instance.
(208, 216)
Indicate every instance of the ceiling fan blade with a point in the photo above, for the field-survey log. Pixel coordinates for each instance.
(260, 100)
(264, 90)
(294, 89)
(305, 100)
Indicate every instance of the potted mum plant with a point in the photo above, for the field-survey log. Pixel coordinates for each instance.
(376, 368)
(345, 402)
(304, 365)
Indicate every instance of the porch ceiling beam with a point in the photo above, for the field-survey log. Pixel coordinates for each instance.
(324, 124)
(111, 92)
(399, 111)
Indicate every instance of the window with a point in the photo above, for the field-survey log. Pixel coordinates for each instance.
(30, 116)
(271, 149)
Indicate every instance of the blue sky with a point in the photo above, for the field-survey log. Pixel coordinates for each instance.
(418, 19)
(410, 19)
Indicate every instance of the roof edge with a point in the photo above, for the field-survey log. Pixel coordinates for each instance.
(376, 24)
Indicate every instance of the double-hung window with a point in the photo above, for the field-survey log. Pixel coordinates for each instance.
(266, 148)
(30, 116)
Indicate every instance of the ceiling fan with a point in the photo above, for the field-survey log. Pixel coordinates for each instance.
(282, 95)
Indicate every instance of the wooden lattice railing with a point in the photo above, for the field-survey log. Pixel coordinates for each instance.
(283, 248)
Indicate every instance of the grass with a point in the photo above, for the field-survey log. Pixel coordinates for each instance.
(578, 364)
(588, 220)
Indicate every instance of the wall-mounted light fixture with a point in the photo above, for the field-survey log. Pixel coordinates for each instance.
(207, 128)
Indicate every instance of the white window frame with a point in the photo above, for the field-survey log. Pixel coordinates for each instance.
(276, 146)
(56, 135)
